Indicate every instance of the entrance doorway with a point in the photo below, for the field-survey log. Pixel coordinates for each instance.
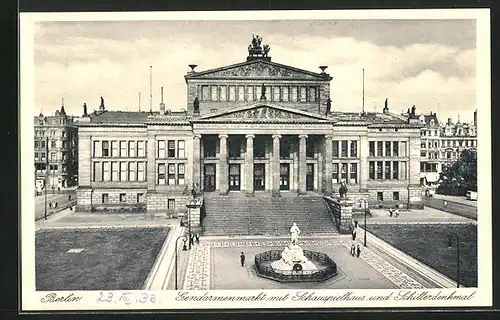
(284, 176)
(310, 177)
(209, 180)
(259, 176)
(234, 177)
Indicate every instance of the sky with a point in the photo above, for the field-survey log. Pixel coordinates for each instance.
(427, 63)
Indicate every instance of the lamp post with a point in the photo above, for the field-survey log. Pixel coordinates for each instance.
(192, 204)
(450, 236)
(365, 204)
(184, 238)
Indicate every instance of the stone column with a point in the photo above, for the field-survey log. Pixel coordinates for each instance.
(275, 165)
(249, 165)
(196, 160)
(328, 165)
(363, 163)
(223, 166)
(302, 163)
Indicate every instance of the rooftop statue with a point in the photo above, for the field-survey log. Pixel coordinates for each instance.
(256, 49)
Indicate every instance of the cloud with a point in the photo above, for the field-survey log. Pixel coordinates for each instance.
(83, 61)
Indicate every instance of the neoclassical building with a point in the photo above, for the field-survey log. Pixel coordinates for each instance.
(251, 127)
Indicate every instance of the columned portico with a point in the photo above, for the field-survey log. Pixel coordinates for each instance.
(196, 160)
(302, 163)
(275, 165)
(249, 167)
(223, 167)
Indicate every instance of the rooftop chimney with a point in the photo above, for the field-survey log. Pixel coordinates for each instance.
(162, 105)
(386, 106)
(449, 122)
(101, 107)
(475, 118)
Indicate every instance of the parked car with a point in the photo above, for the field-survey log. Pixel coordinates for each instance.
(471, 195)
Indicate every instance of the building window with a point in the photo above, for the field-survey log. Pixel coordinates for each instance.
(335, 172)
(114, 171)
(97, 171)
(395, 196)
(43, 156)
(379, 170)
(353, 173)
(36, 155)
(387, 170)
(395, 170)
(284, 94)
(161, 173)
(303, 94)
(205, 93)
(132, 169)
(232, 93)
(161, 149)
(223, 93)
(140, 171)
(354, 149)
(105, 148)
(52, 156)
(423, 154)
(371, 169)
(276, 93)
(335, 149)
(379, 148)
(294, 94)
(403, 149)
(250, 93)
(388, 149)
(344, 149)
(180, 173)
(42, 144)
(171, 174)
(123, 171)
(53, 144)
(140, 197)
(104, 198)
(114, 148)
(105, 171)
(123, 149)
(36, 144)
(403, 170)
(214, 94)
(171, 204)
(181, 149)
(141, 149)
(131, 149)
(395, 148)
(371, 148)
(258, 92)
(171, 148)
(312, 94)
(343, 172)
(380, 196)
(241, 93)
(123, 197)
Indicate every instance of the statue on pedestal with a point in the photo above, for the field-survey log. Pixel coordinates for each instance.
(294, 232)
(85, 109)
(196, 105)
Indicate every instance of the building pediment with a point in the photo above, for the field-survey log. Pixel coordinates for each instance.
(263, 113)
(258, 69)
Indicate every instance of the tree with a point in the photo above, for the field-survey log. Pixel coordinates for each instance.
(461, 176)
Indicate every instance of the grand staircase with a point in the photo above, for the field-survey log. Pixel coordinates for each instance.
(263, 214)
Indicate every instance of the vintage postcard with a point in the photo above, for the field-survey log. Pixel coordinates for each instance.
(270, 159)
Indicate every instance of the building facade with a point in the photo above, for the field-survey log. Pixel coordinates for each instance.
(442, 144)
(251, 127)
(56, 149)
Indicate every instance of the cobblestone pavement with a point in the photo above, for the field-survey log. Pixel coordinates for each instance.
(198, 269)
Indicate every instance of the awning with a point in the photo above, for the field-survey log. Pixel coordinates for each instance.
(432, 177)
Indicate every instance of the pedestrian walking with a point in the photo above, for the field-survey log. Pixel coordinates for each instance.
(353, 250)
(191, 239)
(59, 189)
(56, 206)
(70, 208)
(353, 234)
(197, 238)
(242, 259)
(391, 212)
(69, 198)
(358, 251)
(445, 204)
(396, 212)
(50, 205)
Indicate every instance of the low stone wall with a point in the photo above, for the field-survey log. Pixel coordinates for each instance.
(341, 211)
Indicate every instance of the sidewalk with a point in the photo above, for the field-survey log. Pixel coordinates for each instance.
(70, 219)
(461, 200)
(427, 215)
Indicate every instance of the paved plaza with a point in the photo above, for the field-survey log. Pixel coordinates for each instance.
(215, 265)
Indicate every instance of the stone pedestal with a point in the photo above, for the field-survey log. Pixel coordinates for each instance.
(341, 210)
(292, 255)
(194, 215)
